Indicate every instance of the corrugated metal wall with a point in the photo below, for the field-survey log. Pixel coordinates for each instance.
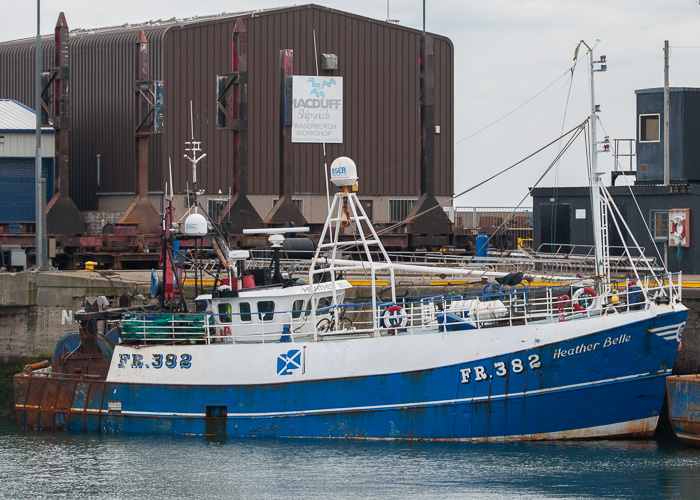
(378, 61)
(24, 144)
(18, 187)
(103, 71)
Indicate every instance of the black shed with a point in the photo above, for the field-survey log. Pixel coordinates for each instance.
(657, 214)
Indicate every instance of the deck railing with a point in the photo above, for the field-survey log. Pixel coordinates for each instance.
(494, 305)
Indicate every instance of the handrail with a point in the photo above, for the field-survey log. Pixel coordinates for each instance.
(493, 305)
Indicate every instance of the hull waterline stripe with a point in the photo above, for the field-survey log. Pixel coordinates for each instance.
(383, 407)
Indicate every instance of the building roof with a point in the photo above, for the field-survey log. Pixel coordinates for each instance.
(15, 116)
(658, 90)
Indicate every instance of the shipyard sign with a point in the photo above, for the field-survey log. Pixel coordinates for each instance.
(317, 109)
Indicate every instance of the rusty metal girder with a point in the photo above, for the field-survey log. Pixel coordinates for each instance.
(232, 103)
(141, 211)
(62, 216)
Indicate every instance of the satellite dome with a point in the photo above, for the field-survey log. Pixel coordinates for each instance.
(343, 171)
(196, 225)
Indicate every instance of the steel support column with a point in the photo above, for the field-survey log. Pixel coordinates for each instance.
(431, 225)
(285, 211)
(62, 216)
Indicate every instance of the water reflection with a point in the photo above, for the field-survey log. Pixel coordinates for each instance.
(60, 465)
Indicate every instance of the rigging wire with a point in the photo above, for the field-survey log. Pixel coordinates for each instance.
(440, 205)
(251, 177)
(554, 162)
(565, 73)
(553, 217)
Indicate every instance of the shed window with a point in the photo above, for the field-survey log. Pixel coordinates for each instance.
(649, 128)
(399, 209)
(266, 310)
(298, 202)
(244, 310)
(659, 225)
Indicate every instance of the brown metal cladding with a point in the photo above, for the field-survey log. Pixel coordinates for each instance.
(378, 63)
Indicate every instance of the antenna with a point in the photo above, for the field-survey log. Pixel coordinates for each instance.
(194, 147)
(172, 194)
(191, 120)
(325, 158)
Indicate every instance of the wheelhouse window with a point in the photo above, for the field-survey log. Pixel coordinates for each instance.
(244, 310)
(323, 303)
(266, 310)
(297, 308)
(658, 224)
(225, 313)
(649, 128)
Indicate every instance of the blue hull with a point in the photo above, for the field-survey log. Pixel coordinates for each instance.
(609, 383)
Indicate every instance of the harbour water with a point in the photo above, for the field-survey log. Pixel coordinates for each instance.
(81, 466)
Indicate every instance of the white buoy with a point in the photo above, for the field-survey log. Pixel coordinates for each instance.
(343, 171)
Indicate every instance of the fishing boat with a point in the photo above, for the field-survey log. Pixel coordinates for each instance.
(509, 362)
(577, 359)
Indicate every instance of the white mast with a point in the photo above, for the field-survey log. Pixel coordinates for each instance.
(599, 213)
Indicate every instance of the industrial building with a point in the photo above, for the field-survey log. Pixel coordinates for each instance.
(669, 211)
(381, 130)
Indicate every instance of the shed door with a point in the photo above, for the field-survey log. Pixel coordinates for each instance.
(17, 188)
(367, 205)
(555, 227)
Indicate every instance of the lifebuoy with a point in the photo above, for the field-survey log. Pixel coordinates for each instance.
(678, 227)
(563, 299)
(581, 295)
(394, 318)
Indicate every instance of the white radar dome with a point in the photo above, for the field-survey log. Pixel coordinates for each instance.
(343, 171)
(195, 225)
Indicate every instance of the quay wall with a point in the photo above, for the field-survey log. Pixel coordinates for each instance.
(37, 309)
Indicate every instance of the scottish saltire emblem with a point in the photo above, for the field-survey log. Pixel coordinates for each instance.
(286, 363)
(671, 332)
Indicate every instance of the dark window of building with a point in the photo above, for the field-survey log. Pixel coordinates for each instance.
(298, 202)
(266, 310)
(649, 128)
(244, 309)
(399, 209)
(658, 223)
(215, 207)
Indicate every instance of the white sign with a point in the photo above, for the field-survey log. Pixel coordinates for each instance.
(580, 213)
(317, 109)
